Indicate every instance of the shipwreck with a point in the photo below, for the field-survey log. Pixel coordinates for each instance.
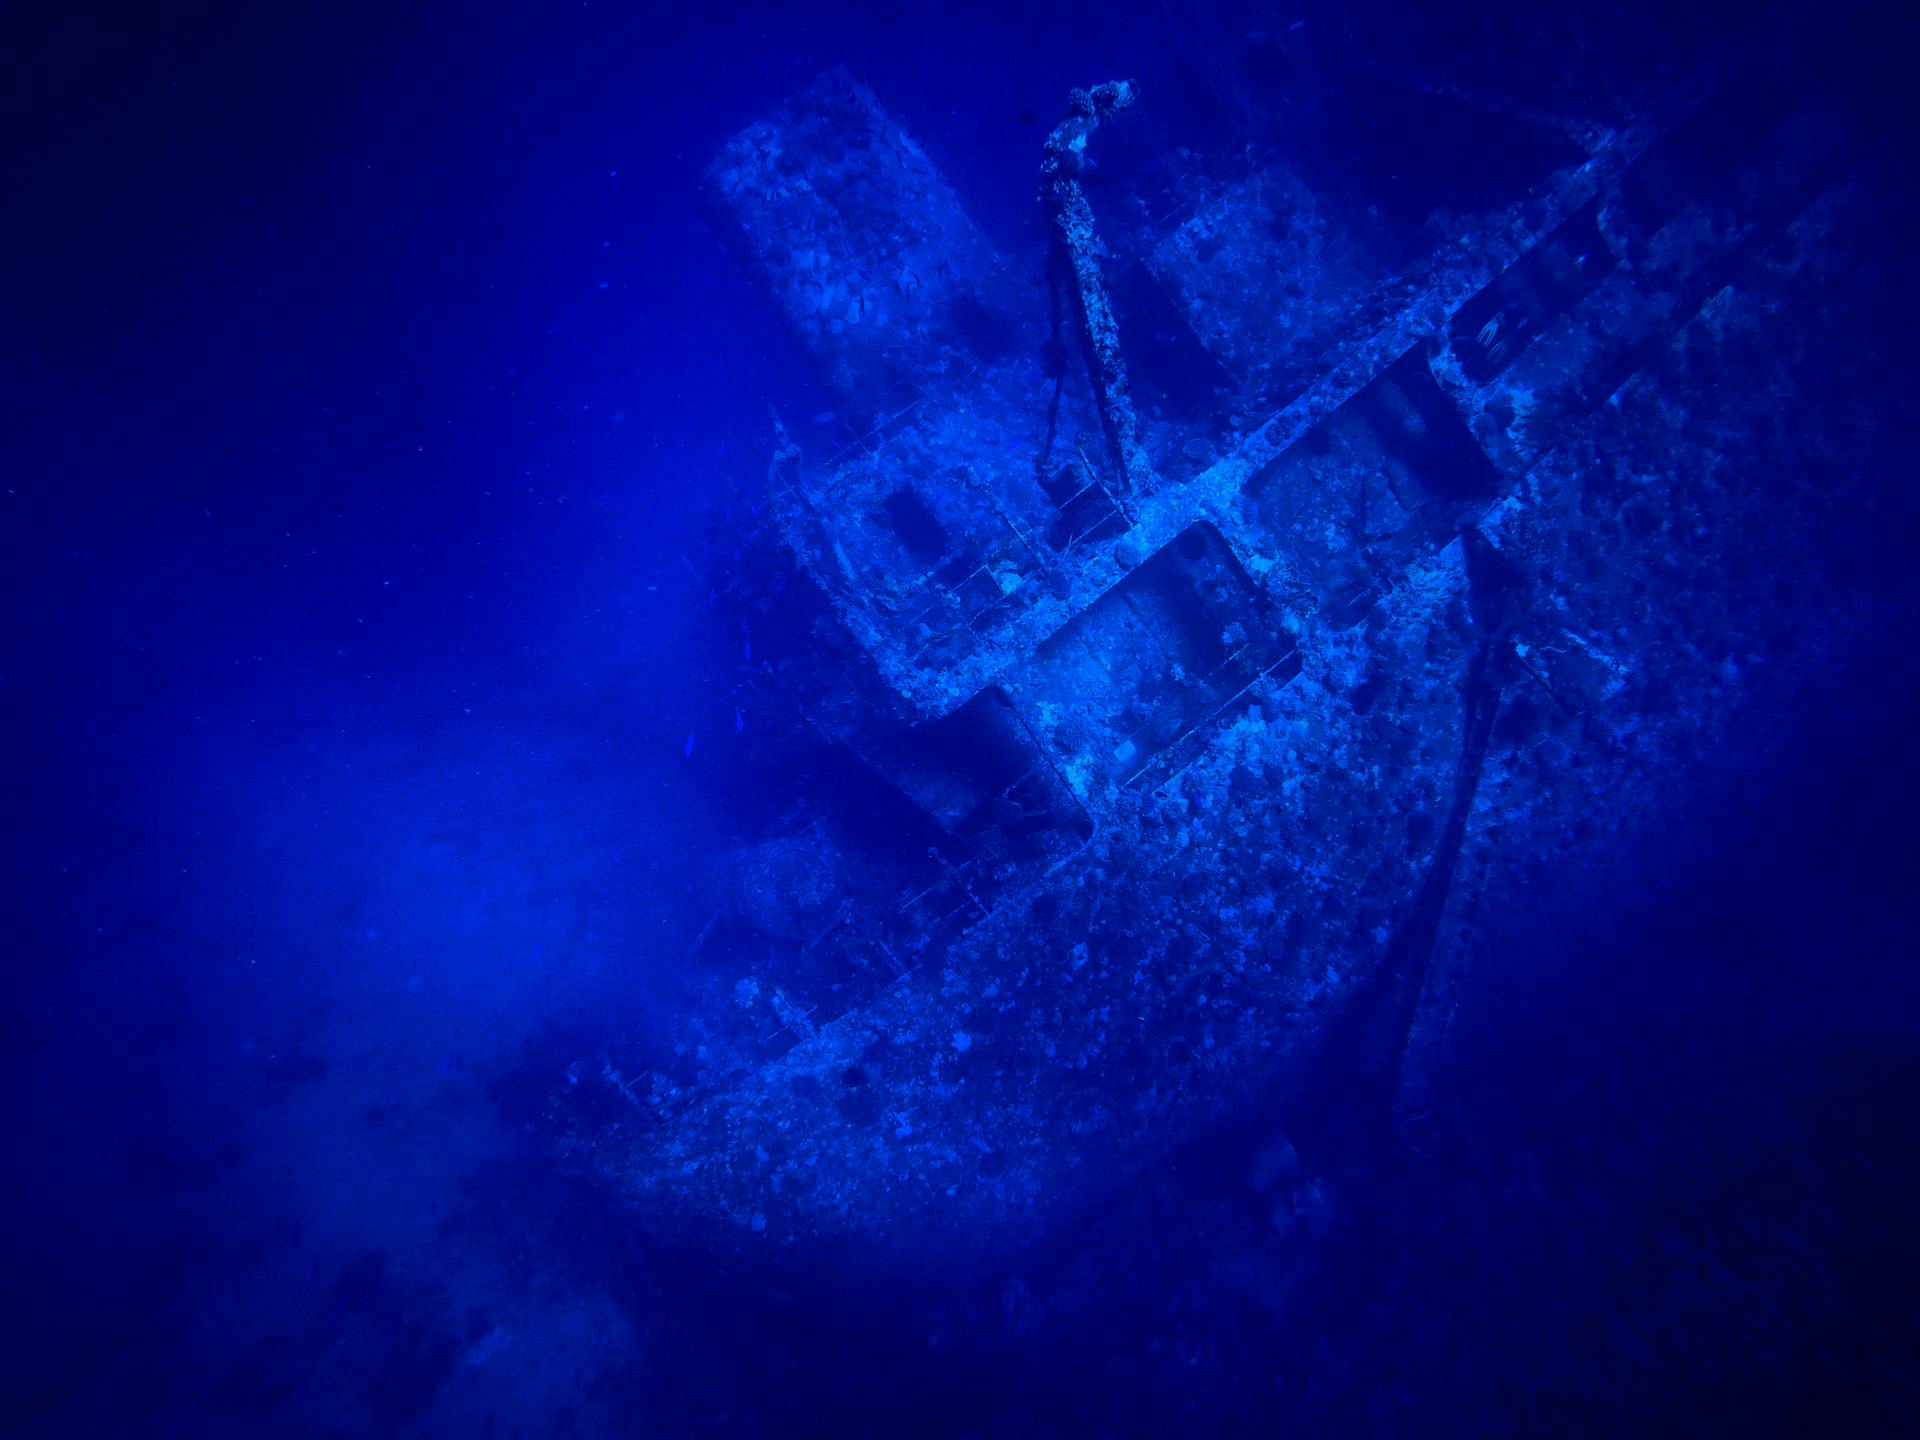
(1205, 627)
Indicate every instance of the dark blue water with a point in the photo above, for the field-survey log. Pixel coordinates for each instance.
(380, 401)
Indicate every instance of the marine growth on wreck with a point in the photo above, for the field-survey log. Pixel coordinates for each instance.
(1217, 624)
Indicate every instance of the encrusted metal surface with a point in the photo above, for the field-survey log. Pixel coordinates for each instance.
(1228, 721)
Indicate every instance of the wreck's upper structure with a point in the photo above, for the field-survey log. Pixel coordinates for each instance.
(1245, 600)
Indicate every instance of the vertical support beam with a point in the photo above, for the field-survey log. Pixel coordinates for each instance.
(1075, 256)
